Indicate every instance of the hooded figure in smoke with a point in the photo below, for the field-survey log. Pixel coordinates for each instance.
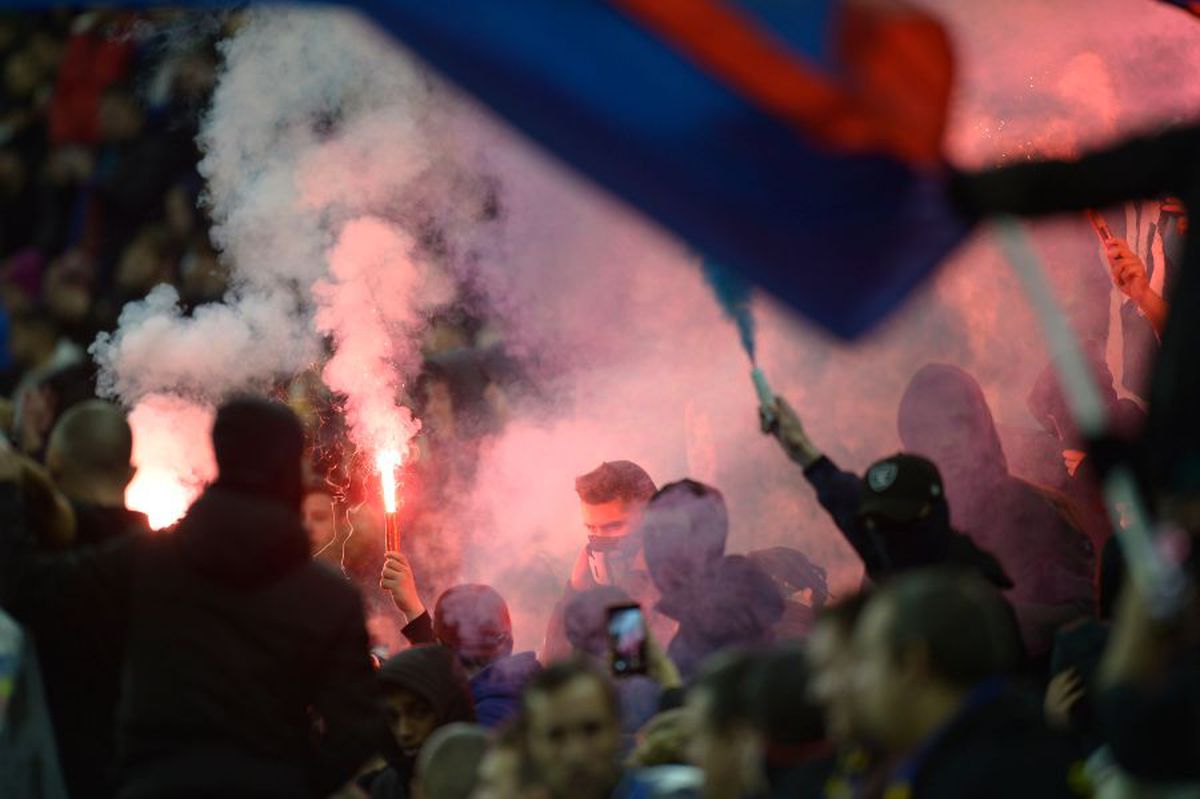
(229, 608)
(424, 688)
(945, 417)
(719, 600)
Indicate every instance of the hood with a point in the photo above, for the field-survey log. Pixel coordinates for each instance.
(434, 674)
(944, 416)
(505, 678)
(259, 448)
(683, 529)
(242, 540)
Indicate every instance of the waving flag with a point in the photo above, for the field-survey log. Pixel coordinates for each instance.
(796, 141)
(1187, 5)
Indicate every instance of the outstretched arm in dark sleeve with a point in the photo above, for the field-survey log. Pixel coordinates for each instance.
(837, 491)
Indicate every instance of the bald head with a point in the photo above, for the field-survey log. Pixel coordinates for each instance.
(90, 451)
(448, 765)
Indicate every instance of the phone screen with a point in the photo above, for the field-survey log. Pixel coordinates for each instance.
(627, 639)
(1101, 227)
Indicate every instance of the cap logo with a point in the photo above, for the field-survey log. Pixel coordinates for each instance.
(881, 476)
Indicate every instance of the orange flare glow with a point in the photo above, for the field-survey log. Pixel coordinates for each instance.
(387, 463)
(159, 494)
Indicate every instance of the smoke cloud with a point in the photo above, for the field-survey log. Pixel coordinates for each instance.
(351, 188)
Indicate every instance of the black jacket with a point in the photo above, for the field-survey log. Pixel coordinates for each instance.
(233, 641)
(1154, 731)
(838, 493)
(999, 749)
(81, 667)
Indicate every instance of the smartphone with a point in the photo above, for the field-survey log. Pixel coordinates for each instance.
(1101, 227)
(627, 639)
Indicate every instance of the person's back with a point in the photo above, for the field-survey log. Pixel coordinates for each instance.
(236, 638)
(89, 457)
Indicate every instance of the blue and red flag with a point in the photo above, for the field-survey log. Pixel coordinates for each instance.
(1187, 5)
(796, 141)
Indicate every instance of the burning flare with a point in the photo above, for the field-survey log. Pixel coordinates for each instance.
(387, 462)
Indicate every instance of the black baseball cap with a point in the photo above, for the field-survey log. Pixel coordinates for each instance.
(898, 488)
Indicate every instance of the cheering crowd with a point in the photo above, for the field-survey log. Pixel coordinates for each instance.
(996, 647)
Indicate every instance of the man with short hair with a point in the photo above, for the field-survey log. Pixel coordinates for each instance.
(612, 500)
(932, 651)
(573, 731)
(724, 743)
(90, 458)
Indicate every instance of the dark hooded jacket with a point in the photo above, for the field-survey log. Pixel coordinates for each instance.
(719, 601)
(235, 643)
(735, 604)
(497, 687)
(434, 674)
(944, 417)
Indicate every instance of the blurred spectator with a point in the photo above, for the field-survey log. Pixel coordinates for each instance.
(41, 403)
(1149, 685)
(641, 695)
(724, 743)
(931, 655)
(424, 689)
(98, 54)
(212, 607)
(573, 731)
(788, 720)
(506, 771)
(320, 519)
(663, 740)
(29, 764)
(448, 766)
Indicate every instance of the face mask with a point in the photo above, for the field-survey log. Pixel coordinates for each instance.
(620, 546)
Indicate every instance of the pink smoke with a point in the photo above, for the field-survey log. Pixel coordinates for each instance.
(367, 307)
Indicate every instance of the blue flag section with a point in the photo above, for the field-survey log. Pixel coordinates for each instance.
(760, 132)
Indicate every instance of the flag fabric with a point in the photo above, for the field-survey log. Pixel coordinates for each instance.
(1187, 5)
(796, 141)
